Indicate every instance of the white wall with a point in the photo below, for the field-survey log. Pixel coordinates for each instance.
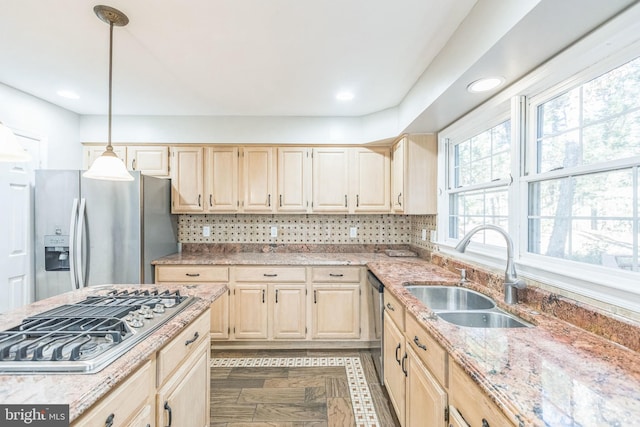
(55, 125)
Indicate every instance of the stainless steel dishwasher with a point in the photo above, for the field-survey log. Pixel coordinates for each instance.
(377, 352)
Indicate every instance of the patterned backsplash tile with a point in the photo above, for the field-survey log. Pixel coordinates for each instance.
(419, 223)
(296, 229)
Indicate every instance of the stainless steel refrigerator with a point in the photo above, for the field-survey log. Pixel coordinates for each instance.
(91, 232)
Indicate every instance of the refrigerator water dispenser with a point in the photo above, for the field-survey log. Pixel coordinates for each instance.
(56, 253)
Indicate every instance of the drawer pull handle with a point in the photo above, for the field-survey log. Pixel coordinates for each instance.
(416, 340)
(336, 275)
(398, 357)
(191, 341)
(390, 307)
(109, 421)
(404, 369)
(270, 275)
(168, 408)
(193, 274)
(485, 423)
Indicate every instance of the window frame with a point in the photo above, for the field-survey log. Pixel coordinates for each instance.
(612, 45)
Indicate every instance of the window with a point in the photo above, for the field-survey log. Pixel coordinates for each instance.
(480, 176)
(583, 194)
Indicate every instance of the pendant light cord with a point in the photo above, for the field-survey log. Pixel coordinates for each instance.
(109, 146)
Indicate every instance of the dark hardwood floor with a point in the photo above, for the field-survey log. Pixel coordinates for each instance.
(294, 396)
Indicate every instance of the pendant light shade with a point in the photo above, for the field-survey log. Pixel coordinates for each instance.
(108, 166)
(10, 149)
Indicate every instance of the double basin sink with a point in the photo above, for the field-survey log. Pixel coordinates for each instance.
(464, 307)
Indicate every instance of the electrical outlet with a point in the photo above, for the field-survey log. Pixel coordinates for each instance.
(353, 232)
(434, 236)
(424, 234)
(206, 231)
(274, 231)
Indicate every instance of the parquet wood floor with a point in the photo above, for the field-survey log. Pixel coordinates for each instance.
(297, 396)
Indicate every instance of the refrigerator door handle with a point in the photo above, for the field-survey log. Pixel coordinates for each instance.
(79, 241)
(72, 250)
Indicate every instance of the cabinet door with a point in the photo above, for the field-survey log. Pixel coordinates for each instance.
(144, 418)
(397, 176)
(250, 311)
(370, 180)
(455, 419)
(427, 402)
(294, 178)
(148, 159)
(336, 311)
(330, 180)
(289, 311)
(92, 152)
(394, 375)
(220, 317)
(258, 179)
(186, 180)
(184, 399)
(221, 179)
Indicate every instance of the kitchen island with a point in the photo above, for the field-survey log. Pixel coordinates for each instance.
(83, 391)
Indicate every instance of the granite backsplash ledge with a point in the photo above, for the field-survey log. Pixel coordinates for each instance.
(234, 248)
(621, 330)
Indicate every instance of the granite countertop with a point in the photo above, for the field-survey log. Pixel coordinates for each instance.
(291, 258)
(548, 375)
(81, 391)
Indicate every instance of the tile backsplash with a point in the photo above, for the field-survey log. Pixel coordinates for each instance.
(308, 229)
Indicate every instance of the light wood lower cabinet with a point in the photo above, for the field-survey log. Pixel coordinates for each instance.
(394, 358)
(475, 408)
(220, 328)
(336, 311)
(183, 400)
(289, 313)
(426, 403)
(125, 404)
(250, 315)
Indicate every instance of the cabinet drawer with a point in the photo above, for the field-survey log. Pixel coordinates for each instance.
(335, 274)
(428, 350)
(270, 274)
(191, 273)
(394, 309)
(171, 356)
(475, 407)
(123, 402)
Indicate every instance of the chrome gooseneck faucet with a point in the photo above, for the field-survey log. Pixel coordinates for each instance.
(511, 281)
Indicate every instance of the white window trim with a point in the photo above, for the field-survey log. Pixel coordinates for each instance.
(614, 43)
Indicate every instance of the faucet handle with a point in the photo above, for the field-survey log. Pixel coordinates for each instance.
(463, 274)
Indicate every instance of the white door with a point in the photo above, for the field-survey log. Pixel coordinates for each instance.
(16, 226)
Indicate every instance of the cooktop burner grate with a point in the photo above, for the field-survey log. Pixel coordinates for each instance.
(87, 335)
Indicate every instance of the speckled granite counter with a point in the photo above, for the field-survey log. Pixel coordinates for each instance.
(291, 258)
(81, 391)
(553, 374)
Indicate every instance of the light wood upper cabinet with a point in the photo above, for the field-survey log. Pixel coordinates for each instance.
(186, 180)
(414, 175)
(221, 179)
(330, 180)
(258, 180)
(370, 180)
(92, 152)
(294, 179)
(148, 159)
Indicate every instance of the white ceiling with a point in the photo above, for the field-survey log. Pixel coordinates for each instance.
(276, 57)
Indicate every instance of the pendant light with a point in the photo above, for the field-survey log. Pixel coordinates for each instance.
(10, 149)
(108, 166)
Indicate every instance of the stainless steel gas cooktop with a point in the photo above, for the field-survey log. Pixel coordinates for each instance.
(86, 336)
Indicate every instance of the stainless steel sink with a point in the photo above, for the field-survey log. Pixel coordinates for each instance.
(451, 298)
(483, 319)
(464, 307)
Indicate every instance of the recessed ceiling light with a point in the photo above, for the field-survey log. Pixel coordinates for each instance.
(68, 94)
(485, 84)
(344, 96)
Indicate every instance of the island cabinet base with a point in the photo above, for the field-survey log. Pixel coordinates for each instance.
(172, 384)
(284, 306)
